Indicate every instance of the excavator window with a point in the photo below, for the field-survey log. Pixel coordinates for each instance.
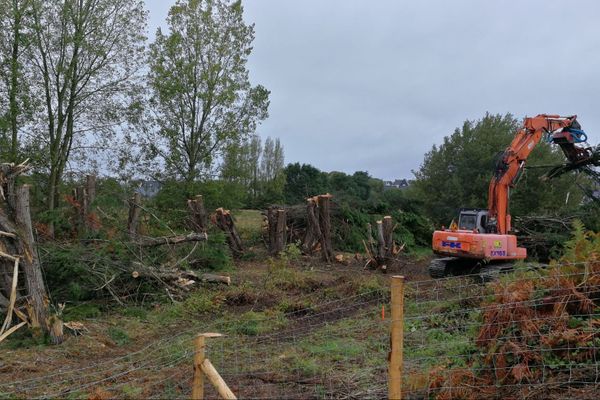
(467, 222)
(482, 224)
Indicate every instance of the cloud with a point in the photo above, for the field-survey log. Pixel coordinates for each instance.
(373, 85)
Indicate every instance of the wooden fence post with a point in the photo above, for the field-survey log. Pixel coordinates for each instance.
(203, 367)
(396, 339)
(198, 384)
(216, 380)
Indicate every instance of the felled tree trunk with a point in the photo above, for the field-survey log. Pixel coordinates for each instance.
(198, 216)
(325, 226)
(313, 230)
(176, 239)
(277, 230)
(224, 221)
(176, 277)
(134, 214)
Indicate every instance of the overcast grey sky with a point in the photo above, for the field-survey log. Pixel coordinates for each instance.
(372, 85)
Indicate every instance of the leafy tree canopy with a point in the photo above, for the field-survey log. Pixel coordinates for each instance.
(457, 173)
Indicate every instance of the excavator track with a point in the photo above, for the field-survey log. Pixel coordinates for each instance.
(437, 267)
(481, 271)
(452, 266)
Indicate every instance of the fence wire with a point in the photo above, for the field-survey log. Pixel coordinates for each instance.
(462, 339)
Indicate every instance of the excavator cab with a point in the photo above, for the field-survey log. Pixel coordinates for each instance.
(473, 219)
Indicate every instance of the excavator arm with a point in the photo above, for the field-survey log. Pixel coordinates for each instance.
(564, 131)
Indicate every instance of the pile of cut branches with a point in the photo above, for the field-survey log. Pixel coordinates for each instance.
(540, 333)
(544, 236)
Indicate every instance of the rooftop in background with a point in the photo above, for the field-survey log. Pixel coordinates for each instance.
(396, 184)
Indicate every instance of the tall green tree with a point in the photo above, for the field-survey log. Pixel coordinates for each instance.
(260, 170)
(457, 173)
(86, 57)
(14, 91)
(201, 94)
(303, 181)
(272, 174)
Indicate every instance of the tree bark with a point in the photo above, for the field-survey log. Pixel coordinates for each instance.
(90, 186)
(313, 234)
(198, 216)
(169, 274)
(381, 252)
(81, 208)
(388, 238)
(277, 230)
(225, 222)
(177, 239)
(30, 263)
(134, 214)
(325, 226)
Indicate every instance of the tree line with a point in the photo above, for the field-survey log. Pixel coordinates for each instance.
(81, 88)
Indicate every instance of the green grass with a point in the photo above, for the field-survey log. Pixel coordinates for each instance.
(254, 323)
(135, 312)
(81, 311)
(119, 336)
(249, 225)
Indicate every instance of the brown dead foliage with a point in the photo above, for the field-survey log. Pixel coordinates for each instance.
(534, 329)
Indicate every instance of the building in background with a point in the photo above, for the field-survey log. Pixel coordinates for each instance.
(396, 184)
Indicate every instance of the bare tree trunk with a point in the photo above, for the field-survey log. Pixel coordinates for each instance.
(382, 253)
(30, 263)
(81, 208)
(224, 221)
(380, 241)
(90, 186)
(271, 227)
(325, 225)
(388, 238)
(198, 216)
(134, 214)
(313, 234)
(277, 230)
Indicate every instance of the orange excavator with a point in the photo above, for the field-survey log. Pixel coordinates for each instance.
(482, 241)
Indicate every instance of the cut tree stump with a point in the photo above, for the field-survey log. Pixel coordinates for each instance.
(276, 218)
(83, 197)
(323, 202)
(222, 218)
(198, 216)
(134, 214)
(313, 234)
(382, 252)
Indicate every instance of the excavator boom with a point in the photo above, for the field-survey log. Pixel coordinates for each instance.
(564, 131)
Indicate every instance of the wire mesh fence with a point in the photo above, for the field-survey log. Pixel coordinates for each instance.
(530, 334)
(317, 354)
